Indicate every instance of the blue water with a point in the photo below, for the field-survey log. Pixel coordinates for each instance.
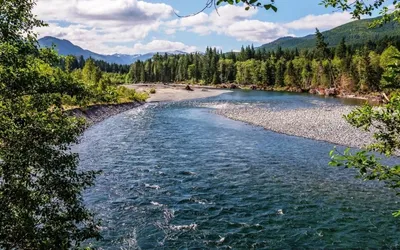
(176, 176)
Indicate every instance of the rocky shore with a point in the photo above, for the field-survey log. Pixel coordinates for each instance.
(324, 123)
(97, 113)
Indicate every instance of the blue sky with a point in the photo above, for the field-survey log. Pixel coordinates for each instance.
(133, 26)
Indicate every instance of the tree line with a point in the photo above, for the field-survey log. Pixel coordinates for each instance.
(359, 67)
(71, 62)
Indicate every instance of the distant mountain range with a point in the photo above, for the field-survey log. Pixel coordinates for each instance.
(65, 47)
(356, 32)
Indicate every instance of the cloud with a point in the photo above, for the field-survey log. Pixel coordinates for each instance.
(163, 46)
(233, 21)
(95, 24)
(236, 22)
(256, 31)
(325, 21)
(123, 12)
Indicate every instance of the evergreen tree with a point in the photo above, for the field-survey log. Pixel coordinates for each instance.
(341, 49)
(322, 51)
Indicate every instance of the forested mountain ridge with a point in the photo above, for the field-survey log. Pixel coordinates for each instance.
(65, 47)
(356, 32)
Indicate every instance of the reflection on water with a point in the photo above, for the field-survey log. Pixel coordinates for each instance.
(179, 177)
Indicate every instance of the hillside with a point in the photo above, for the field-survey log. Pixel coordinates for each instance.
(355, 32)
(65, 47)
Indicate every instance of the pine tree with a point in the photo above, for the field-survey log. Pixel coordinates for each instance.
(341, 49)
(322, 51)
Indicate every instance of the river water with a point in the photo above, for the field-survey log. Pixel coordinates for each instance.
(176, 176)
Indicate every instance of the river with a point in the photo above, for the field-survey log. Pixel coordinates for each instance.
(176, 176)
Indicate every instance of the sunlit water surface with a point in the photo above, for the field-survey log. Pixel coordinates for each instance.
(176, 176)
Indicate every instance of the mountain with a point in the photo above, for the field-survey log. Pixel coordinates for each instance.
(65, 47)
(356, 32)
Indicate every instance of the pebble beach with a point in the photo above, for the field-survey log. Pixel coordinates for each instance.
(324, 123)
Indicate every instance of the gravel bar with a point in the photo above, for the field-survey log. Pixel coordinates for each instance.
(318, 123)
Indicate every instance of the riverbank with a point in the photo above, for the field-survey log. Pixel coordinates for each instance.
(97, 113)
(163, 93)
(372, 98)
(323, 123)
(176, 92)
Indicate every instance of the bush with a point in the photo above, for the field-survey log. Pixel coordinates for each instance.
(152, 91)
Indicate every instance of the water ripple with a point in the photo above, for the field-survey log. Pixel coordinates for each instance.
(179, 177)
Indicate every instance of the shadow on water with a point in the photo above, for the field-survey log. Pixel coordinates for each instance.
(179, 177)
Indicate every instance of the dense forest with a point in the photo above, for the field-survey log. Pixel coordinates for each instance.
(352, 68)
(72, 62)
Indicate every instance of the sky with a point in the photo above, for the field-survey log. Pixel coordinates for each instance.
(138, 27)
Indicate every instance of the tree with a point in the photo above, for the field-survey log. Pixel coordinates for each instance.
(290, 75)
(91, 73)
(386, 122)
(390, 61)
(341, 49)
(71, 63)
(40, 187)
(322, 51)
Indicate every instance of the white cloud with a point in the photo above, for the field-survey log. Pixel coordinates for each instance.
(236, 22)
(256, 31)
(325, 21)
(162, 46)
(95, 24)
(233, 21)
(198, 19)
(123, 12)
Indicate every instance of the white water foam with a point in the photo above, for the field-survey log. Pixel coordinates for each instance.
(156, 204)
(156, 187)
(191, 227)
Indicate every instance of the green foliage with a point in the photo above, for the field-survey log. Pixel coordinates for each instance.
(341, 49)
(385, 123)
(388, 57)
(40, 186)
(389, 62)
(91, 73)
(322, 51)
